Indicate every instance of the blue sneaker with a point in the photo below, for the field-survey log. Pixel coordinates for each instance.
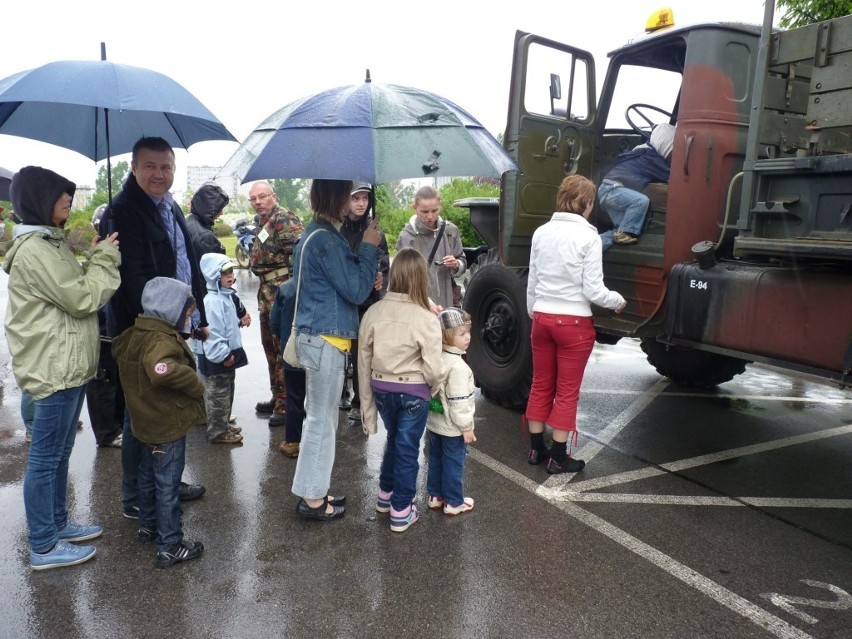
(63, 554)
(74, 531)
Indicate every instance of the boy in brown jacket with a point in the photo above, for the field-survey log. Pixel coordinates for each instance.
(165, 398)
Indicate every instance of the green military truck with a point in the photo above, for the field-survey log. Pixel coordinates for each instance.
(746, 253)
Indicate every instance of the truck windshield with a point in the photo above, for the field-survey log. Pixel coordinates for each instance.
(643, 85)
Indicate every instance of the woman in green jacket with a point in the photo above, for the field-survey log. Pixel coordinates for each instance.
(52, 333)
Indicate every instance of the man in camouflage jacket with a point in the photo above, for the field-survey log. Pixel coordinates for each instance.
(271, 259)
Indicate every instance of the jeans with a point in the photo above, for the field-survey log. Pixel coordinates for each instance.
(131, 457)
(446, 468)
(324, 374)
(561, 346)
(626, 208)
(27, 411)
(159, 490)
(46, 477)
(218, 397)
(404, 417)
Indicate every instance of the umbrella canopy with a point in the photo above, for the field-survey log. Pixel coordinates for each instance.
(370, 132)
(100, 109)
(5, 181)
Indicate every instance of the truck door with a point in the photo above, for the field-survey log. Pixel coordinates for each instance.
(548, 133)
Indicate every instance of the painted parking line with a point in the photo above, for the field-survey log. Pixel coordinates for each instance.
(757, 615)
(692, 462)
(559, 491)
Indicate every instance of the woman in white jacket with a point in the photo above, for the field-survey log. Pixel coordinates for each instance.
(565, 278)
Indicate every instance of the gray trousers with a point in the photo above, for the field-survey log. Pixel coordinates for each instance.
(218, 397)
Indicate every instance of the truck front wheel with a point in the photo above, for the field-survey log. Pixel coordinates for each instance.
(499, 353)
(691, 367)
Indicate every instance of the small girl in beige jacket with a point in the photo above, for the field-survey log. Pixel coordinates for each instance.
(450, 424)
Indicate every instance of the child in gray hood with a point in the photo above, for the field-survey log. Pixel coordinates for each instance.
(165, 398)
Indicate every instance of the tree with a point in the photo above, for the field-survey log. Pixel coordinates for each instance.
(119, 174)
(798, 13)
(291, 195)
(401, 194)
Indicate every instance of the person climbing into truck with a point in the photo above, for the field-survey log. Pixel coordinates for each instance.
(620, 191)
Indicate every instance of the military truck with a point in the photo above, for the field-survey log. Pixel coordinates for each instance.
(746, 253)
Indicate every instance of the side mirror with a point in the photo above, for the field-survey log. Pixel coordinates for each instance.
(555, 87)
(555, 91)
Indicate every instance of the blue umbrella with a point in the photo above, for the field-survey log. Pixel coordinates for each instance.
(370, 132)
(100, 109)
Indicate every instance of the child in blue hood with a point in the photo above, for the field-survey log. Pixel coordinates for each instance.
(222, 352)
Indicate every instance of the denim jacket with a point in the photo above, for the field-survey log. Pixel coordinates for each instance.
(335, 281)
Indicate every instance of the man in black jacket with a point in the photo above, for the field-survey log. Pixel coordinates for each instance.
(154, 243)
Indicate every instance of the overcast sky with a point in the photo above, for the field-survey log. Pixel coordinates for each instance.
(248, 60)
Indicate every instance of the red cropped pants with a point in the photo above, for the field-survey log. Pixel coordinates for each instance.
(561, 346)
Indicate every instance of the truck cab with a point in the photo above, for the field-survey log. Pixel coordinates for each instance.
(743, 222)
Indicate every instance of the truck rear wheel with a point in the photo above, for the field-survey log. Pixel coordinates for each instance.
(499, 353)
(691, 367)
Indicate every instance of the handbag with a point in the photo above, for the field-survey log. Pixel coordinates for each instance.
(289, 355)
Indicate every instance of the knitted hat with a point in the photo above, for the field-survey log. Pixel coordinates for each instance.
(452, 318)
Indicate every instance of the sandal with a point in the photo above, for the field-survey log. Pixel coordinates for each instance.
(320, 512)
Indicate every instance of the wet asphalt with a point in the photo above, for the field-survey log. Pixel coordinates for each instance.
(708, 514)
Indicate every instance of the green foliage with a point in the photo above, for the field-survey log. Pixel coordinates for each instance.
(798, 13)
(292, 195)
(119, 174)
(220, 229)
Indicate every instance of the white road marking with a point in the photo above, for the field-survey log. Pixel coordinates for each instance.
(785, 602)
(689, 500)
(718, 593)
(721, 395)
(703, 460)
(591, 449)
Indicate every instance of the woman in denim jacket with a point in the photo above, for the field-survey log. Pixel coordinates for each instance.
(335, 280)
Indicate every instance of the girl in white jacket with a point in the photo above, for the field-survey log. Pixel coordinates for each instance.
(450, 423)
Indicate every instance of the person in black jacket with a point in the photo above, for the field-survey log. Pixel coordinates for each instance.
(354, 225)
(155, 243)
(207, 205)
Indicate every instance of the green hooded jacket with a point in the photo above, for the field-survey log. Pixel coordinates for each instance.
(51, 318)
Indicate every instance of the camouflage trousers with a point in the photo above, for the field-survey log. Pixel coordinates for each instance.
(272, 350)
(218, 398)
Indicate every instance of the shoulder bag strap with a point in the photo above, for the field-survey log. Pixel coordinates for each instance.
(299, 279)
(437, 242)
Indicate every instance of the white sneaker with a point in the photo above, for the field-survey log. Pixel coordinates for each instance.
(436, 503)
(465, 507)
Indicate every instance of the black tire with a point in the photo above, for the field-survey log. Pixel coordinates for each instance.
(499, 353)
(241, 256)
(690, 367)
